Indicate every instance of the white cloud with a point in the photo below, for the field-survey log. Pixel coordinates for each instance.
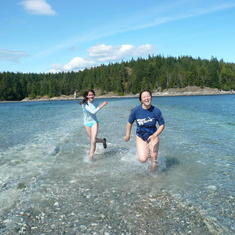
(13, 56)
(105, 54)
(101, 52)
(37, 7)
(76, 63)
(144, 50)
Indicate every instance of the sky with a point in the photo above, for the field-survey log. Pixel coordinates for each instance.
(41, 36)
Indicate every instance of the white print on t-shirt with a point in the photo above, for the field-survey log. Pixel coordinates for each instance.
(143, 120)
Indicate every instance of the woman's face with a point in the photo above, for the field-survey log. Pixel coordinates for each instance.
(90, 96)
(146, 98)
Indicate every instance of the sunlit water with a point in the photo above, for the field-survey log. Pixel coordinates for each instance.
(47, 186)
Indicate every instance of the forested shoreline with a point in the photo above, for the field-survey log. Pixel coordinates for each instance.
(155, 73)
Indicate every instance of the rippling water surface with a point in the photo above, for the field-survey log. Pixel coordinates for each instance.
(47, 186)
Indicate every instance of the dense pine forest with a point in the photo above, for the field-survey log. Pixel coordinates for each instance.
(155, 73)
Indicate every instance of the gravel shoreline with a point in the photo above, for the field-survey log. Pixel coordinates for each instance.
(187, 91)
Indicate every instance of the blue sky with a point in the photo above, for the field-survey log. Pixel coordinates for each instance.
(40, 36)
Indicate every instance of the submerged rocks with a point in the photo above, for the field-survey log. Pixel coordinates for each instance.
(86, 206)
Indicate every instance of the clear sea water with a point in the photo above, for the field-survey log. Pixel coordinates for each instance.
(47, 186)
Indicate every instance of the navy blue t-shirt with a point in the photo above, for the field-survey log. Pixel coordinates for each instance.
(146, 120)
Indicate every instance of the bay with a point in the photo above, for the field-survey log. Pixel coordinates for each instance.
(48, 186)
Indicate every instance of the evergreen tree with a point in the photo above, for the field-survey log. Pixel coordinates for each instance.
(156, 72)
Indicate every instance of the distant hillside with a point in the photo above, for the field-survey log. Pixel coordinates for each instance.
(155, 73)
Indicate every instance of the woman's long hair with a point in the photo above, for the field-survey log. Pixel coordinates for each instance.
(84, 101)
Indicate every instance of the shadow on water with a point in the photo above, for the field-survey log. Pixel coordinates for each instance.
(171, 162)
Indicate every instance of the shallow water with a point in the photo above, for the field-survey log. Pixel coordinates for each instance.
(47, 186)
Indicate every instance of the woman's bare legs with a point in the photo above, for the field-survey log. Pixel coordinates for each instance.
(148, 150)
(142, 149)
(92, 133)
(153, 151)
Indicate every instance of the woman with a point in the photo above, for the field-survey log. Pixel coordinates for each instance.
(90, 108)
(147, 134)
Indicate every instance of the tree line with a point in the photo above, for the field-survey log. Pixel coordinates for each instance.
(130, 77)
